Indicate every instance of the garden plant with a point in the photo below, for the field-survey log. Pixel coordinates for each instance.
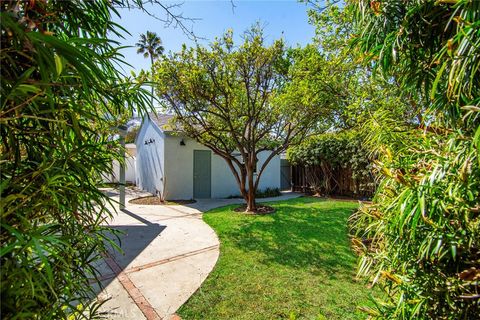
(420, 239)
(60, 97)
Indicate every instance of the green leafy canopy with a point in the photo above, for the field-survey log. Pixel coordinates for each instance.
(420, 238)
(237, 99)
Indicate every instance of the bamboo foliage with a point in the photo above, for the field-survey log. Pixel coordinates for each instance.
(60, 96)
(420, 240)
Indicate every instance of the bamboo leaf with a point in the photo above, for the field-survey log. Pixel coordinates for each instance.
(58, 64)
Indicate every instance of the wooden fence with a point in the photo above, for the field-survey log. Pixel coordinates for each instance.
(325, 180)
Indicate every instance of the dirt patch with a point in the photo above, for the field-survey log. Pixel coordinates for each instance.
(260, 210)
(152, 200)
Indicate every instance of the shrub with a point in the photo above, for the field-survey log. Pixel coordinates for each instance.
(335, 163)
(420, 239)
(131, 135)
(59, 89)
(265, 193)
(268, 192)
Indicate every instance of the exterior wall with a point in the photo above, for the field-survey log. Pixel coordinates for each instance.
(271, 175)
(131, 149)
(223, 181)
(130, 167)
(179, 167)
(130, 172)
(150, 162)
(179, 171)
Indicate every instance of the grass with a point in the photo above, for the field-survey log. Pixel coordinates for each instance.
(293, 264)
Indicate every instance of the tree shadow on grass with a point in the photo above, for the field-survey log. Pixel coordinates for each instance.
(296, 262)
(302, 233)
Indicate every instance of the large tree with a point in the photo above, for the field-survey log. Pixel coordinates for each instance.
(358, 92)
(229, 99)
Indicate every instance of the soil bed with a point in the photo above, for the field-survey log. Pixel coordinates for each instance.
(152, 200)
(260, 210)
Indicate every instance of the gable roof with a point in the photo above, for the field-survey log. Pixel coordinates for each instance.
(163, 121)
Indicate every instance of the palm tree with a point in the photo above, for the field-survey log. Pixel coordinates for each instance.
(150, 45)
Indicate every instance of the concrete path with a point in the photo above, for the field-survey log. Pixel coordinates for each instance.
(168, 251)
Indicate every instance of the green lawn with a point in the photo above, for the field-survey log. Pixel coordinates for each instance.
(293, 264)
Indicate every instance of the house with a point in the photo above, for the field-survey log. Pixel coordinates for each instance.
(178, 167)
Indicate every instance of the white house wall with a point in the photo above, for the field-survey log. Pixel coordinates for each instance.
(150, 162)
(129, 170)
(223, 181)
(271, 175)
(179, 167)
(179, 171)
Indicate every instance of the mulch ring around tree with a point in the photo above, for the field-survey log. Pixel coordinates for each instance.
(153, 200)
(260, 210)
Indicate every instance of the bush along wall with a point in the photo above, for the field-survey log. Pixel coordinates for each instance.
(333, 164)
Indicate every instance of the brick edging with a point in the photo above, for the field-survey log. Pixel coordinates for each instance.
(134, 293)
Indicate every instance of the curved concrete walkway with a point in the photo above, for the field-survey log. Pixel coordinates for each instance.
(168, 251)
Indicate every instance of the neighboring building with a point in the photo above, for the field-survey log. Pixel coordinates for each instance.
(130, 171)
(171, 164)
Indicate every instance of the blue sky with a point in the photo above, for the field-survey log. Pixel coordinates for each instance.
(287, 19)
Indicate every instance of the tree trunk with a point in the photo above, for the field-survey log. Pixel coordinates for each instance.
(151, 75)
(251, 205)
(243, 190)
